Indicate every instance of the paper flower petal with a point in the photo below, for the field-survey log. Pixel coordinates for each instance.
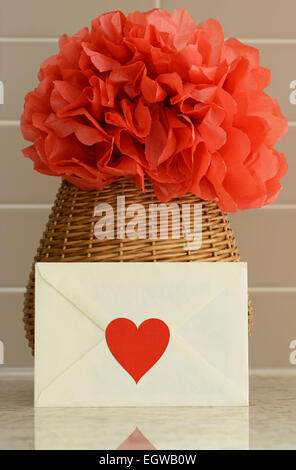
(154, 95)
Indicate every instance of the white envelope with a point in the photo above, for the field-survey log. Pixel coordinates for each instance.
(204, 305)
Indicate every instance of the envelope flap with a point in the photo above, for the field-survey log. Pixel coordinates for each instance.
(63, 335)
(102, 295)
(205, 285)
(80, 286)
(220, 331)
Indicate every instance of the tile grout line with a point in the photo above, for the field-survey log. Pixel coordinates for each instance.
(25, 372)
(279, 207)
(33, 206)
(279, 290)
(48, 206)
(254, 290)
(16, 122)
(28, 39)
(12, 290)
(279, 41)
(54, 40)
(16, 372)
(9, 122)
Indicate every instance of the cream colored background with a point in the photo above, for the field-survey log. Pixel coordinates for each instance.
(266, 237)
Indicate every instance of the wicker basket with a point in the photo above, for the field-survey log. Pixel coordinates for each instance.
(69, 236)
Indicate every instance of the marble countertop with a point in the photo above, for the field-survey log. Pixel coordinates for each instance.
(269, 422)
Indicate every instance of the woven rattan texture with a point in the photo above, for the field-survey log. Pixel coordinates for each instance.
(69, 236)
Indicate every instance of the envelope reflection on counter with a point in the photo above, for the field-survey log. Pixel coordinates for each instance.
(141, 334)
(197, 428)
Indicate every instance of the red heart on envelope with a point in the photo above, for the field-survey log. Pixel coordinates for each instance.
(137, 349)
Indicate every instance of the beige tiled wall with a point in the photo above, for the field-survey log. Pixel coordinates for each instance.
(18, 183)
(244, 19)
(28, 32)
(274, 329)
(20, 62)
(51, 18)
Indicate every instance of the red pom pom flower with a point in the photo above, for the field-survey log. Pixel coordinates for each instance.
(154, 95)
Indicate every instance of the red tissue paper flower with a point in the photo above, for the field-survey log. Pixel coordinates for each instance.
(154, 95)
